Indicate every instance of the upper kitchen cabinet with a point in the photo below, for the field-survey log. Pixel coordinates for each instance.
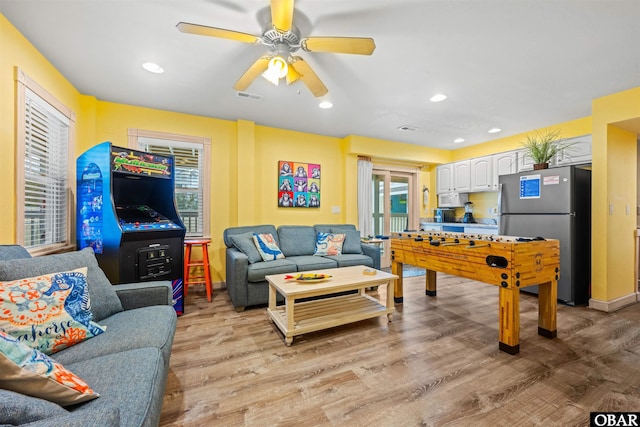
(481, 173)
(462, 176)
(444, 178)
(577, 151)
(503, 164)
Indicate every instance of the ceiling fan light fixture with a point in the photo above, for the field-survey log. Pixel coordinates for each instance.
(276, 69)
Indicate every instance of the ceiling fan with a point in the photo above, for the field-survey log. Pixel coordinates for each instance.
(283, 39)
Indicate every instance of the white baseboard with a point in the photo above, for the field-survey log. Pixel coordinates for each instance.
(616, 304)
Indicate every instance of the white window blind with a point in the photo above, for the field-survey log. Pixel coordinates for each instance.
(189, 175)
(45, 173)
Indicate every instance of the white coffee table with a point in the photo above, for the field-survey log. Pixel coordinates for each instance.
(296, 318)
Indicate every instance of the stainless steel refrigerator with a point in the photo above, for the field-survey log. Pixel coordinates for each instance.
(553, 203)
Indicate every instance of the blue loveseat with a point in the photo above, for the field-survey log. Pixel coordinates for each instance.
(246, 271)
(127, 364)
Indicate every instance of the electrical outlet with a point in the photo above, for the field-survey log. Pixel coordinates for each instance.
(627, 209)
(610, 208)
(335, 209)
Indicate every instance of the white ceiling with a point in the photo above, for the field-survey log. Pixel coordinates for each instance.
(513, 64)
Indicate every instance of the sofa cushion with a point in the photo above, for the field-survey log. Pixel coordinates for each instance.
(256, 272)
(310, 262)
(352, 243)
(49, 312)
(151, 326)
(349, 260)
(260, 229)
(28, 371)
(132, 380)
(104, 301)
(296, 240)
(267, 247)
(13, 252)
(329, 244)
(244, 243)
(18, 408)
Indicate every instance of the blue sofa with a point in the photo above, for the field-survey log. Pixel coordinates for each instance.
(127, 364)
(246, 271)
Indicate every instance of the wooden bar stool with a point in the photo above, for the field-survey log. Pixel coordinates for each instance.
(189, 278)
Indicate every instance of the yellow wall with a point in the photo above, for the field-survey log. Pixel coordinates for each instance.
(15, 50)
(615, 186)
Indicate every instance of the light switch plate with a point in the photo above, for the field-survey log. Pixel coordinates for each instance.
(335, 209)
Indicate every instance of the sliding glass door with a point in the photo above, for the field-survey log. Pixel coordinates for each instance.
(394, 207)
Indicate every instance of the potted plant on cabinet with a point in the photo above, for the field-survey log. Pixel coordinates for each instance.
(542, 145)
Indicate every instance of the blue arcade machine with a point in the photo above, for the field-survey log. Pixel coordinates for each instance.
(126, 212)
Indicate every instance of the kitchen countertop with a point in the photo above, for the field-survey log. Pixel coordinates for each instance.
(460, 224)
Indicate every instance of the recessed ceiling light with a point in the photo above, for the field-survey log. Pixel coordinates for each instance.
(153, 68)
(438, 97)
(325, 104)
(458, 140)
(495, 130)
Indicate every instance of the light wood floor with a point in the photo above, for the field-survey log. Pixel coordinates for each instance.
(436, 364)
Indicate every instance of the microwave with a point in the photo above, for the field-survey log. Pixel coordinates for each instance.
(444, 215)
(452, 200)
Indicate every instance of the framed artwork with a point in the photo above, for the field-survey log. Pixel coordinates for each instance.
(298, 185)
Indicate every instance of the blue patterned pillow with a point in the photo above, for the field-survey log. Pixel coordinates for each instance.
(48, 312)
(267, 247)
(328, 244)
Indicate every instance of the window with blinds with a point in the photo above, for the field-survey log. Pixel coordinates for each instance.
(189, 179)
(46, 146)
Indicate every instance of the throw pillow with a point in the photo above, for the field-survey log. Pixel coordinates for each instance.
(104, 300)
(245, 244)
(267, 247)
(28, 371)
(351, 242)
(328, 244)
(48, 312)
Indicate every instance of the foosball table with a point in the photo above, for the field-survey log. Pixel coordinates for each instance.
(511, 263)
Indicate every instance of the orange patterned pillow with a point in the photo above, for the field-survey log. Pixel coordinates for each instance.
(48, 312)
(28, 371)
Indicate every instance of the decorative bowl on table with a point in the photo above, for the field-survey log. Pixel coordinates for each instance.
(307, 277)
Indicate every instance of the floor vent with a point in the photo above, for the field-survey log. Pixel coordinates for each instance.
(247, 95)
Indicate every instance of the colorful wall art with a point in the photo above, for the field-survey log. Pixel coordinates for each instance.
(298, 185)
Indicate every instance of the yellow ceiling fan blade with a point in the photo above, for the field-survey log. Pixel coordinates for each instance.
(292, 75)
(355, 45)
(282, 14)
(203, 30)
(252, 73)
(310, 79)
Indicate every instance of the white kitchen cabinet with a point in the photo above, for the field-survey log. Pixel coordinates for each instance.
(462, 176)
(481, 173)
(525, 162)
(578, 151)
(504, 164)
(444, 178)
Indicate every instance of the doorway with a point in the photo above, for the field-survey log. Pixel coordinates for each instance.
(394, 207)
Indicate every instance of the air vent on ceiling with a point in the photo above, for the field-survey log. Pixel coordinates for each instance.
(247, 95)
(407, 128)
